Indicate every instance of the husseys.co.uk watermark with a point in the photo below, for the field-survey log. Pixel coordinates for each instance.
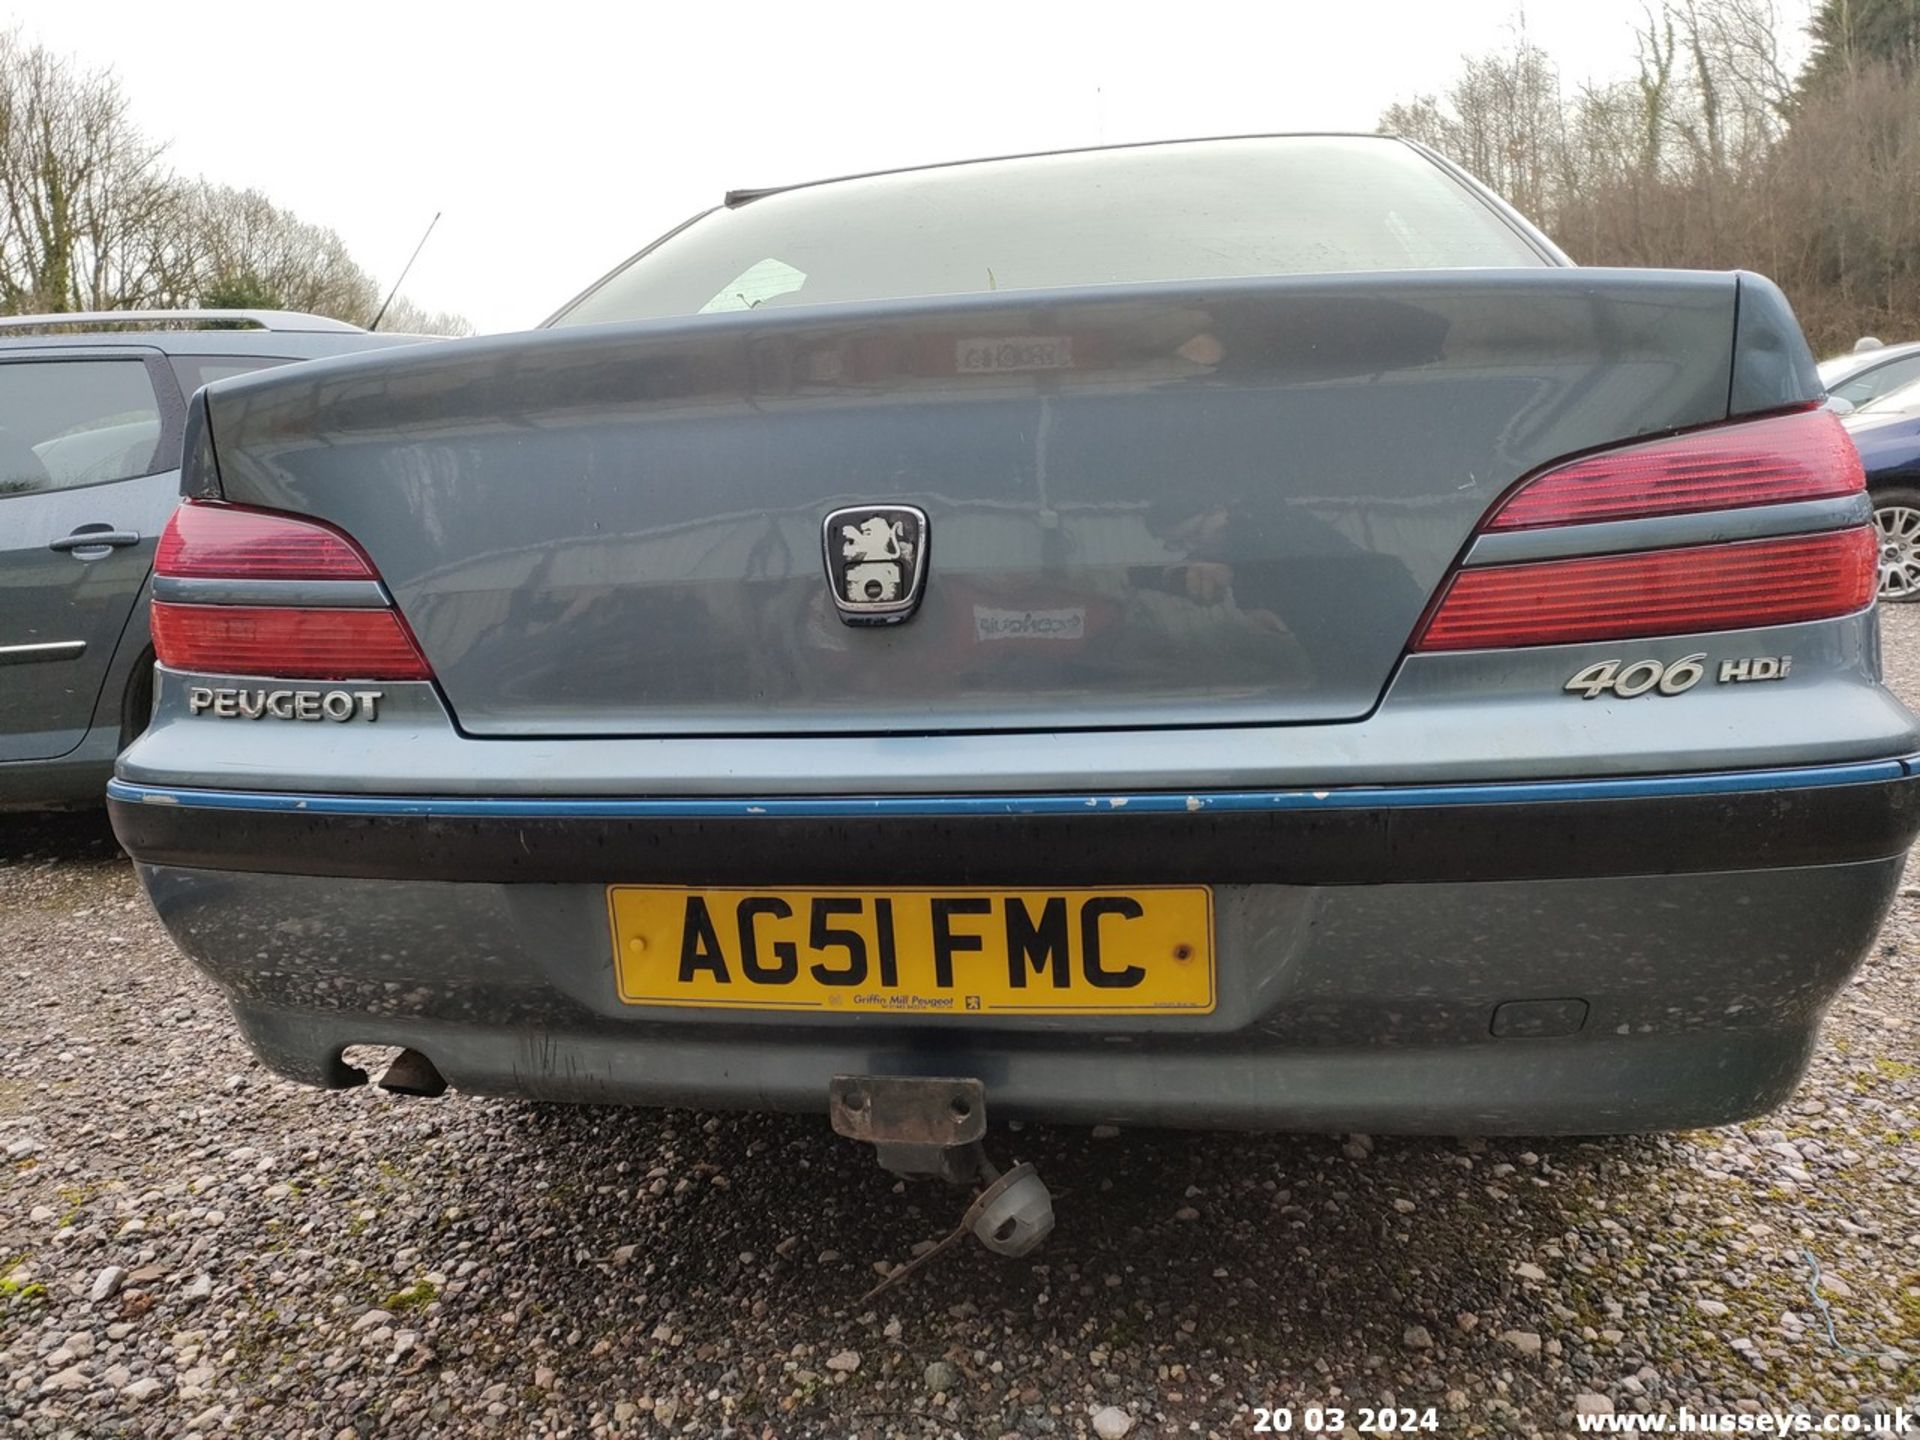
(1770, 1422)
(1330, 1420)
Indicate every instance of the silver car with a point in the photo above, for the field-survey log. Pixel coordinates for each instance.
(1228, 633)
(1863, 376)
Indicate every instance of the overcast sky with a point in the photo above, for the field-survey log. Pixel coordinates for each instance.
(557, 138)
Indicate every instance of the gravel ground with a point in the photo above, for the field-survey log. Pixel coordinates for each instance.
(188, 1245)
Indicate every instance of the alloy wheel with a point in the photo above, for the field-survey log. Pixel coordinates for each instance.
(1899, 531)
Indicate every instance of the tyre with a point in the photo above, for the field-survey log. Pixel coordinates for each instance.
(136, 706)
(1896, 517)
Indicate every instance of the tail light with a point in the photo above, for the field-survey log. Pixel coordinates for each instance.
(1657, 592)
(241, 631)
(1802, 456)
(1780, 459)
(295, 644)
(226, 542)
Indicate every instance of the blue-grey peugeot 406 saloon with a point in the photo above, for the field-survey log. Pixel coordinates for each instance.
(1234, 633)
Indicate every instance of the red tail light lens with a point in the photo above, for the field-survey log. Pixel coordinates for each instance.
(308, 641)
(1656, 592)
(294, 644)
(1806, 455)
(208, 541)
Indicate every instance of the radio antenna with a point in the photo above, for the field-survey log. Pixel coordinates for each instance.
(403, 272)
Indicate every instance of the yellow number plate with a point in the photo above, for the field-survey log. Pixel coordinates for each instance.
(1142, 950)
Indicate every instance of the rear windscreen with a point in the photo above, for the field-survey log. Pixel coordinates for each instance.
(67, 423)
(1193, 211)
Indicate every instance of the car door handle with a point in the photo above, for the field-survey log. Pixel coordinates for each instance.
(96, 540)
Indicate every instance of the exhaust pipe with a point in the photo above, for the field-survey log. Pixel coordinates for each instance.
(411, 1073)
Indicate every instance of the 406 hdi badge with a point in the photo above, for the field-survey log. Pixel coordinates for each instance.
(1655, 677)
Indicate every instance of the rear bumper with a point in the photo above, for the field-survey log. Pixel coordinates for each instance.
(1651, 825)
(1622, 955)
(1611, 1085)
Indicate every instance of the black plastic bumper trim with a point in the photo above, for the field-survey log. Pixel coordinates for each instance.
(1643, 835)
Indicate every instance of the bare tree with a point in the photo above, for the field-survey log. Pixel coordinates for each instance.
(1654, 86)
(228, 237)
(92, 219)
(1845, 173)
(1711, 156)
(84, 192)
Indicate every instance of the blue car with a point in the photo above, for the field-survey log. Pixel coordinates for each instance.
(1887, 432)
(1225, 633)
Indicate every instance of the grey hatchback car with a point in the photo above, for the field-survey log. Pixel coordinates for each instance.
(1231, 633)
(91, 413)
